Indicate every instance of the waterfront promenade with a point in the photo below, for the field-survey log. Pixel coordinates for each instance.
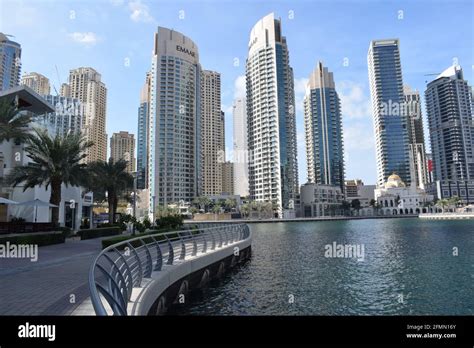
(48, 286)
(303, 219)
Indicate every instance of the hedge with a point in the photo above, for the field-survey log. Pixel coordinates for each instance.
(39, 239)
(99, 232)
(109, 241)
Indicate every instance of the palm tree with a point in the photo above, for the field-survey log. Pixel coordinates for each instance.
(442, 203)
(112, 180)
(245, 209)
(229, 204)
(13, 124)
(202, 202)
(54, 161)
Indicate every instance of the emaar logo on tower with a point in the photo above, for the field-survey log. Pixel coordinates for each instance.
(185, 50)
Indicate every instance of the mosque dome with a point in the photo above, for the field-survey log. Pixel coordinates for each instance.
(394, 181)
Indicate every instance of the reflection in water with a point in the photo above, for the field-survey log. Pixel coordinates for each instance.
(408, 268)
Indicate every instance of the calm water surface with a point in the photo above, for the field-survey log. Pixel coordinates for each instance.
(409, 268)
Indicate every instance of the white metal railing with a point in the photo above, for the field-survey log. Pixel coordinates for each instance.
(122, 266)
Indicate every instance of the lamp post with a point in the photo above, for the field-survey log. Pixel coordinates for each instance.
(134, 200)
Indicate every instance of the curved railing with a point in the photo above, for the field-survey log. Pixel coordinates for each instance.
(121, 267)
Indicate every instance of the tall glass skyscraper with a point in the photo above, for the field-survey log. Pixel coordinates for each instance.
(142, 134)
(416, 138)
(323, 128)
(240, 158)
(211, 134)
(450, 119)
(10, 63)
(273, 168)
(174, 144)
(388, 108)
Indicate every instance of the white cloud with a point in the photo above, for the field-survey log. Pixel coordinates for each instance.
(116, 2)
(354, 102)
(86, 38)
(357, 138)
(240, 87)
(139, 12)
(300, 90)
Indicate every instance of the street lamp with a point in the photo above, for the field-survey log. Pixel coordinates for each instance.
(135, 174)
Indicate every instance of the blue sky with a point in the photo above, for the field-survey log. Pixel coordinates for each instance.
(116, 38)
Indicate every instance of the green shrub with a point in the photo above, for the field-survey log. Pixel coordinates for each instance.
(35, 238)
(99, 232)
(109, 241)
(169, 221)
(67, 232)
(147, 222)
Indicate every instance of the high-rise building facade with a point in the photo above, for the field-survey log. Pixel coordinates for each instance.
(212, 134)
(450, 119)
(240, 151)
(323, 129)
(67, 117)
(37, 82)
(273, 168)
(388, 105)
(227, 178)
(10, 63)
(142, 134)
(174, 120)
(416, 138)
(86, 86)
(122, 147)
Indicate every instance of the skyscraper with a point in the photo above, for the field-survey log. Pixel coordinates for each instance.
(416, 138)
(323, 128)
(273, 168)
(142, 134)
(240, 158)
(212, 134)
(67, 117)
(85, 85)
(388, 105)
(174, 119)
(122, 147)
(450, 119)
(227, 178)
(10, 63)
(37, 82)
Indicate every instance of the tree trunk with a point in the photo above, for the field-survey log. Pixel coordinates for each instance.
(110, 202)
(55, 199)
(115, 205)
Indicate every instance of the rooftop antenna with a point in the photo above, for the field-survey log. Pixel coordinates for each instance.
(59, 79)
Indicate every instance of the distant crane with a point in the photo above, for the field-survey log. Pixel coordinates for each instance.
(434, 74)
(59, 79)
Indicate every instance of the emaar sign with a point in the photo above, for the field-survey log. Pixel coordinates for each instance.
(185, 50)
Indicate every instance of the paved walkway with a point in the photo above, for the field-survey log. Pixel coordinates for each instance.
(45, 287)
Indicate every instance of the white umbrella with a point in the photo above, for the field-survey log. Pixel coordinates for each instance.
(37, 203)
(6, 201)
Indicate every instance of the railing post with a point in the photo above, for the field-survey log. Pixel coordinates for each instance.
(204, 247)
(140, 270)
(170, 252)
(159, 256)
(195, 247)
(213, 245)
(183, 247)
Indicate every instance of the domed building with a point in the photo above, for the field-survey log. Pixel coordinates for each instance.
(396, 198)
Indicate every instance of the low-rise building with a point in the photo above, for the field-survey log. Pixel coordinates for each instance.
(355, 189)
(76, 203)
(320, 200)
(395, 198)
(445, 189)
